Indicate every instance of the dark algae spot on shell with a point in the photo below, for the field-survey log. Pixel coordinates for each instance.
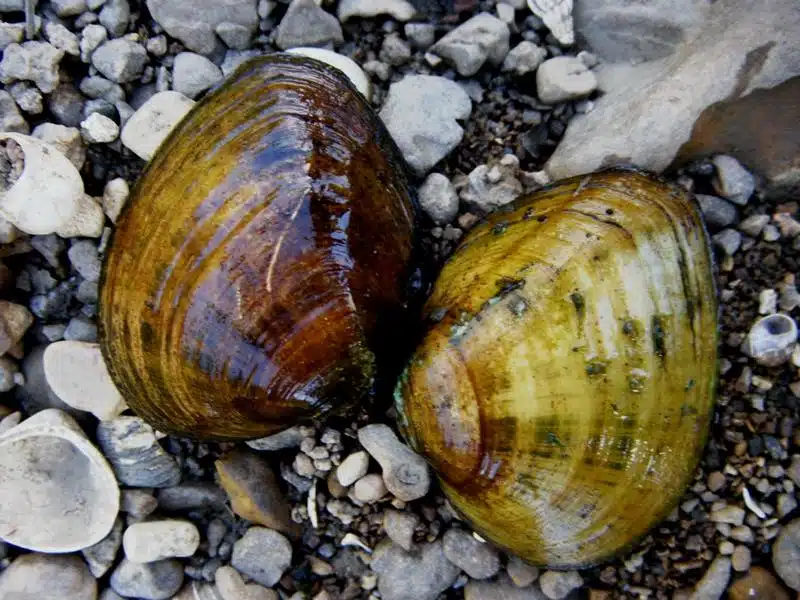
(244, 290)
(570, 386)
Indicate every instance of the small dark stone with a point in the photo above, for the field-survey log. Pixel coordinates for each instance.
(773, 446)
(755, 446)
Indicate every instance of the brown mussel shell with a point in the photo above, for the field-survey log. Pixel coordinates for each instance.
(566, 380)
(261, 268)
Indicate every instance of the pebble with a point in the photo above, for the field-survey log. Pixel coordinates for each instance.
(150, 541)
(786, 554)
(438, 198)
(253, 490)
(10, 117)
(733, 515)
(732, 180)
(91, 38)
(32, 61)
(66, 140)
(137, 503)
(421, 35)
(419, 575)
(231, 586)
(741, 559)
(137, 458)
(12, 33)
(771, 340)
(15, 320)
(500, 590)
(114, 16)
(200, 495)
(120, 60)
(346, 65)
(47, 577)
(715, 481)
(421, 113)
(288, 438)
(714, 581)
(558, 584)
(152, 122)
(405, 472)
(262, 554)
(147, 581)
(520, 572)
(757, 584)
(77, 374)
(62, 38)
(493, 185)
(786, 504)
(395, 51)
(564, 78)
(115, 195)
(69, 8)
(99, 129)
(307, 24)
(369, 488)
(399, 9)
(718, 213)
(193, 74)
(524, 58)
(477, 559)
(27, 97)
(103, 554)
(352, 468)
(483, 38)
(400, 527)
(728, 240)
(754, 224)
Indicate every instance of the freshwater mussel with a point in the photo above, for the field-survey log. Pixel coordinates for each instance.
(260, 274)
(566, 378)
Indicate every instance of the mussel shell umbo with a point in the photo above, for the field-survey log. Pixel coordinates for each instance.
(259, 274)
(566, 378)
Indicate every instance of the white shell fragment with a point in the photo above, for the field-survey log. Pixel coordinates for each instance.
(78, 375)
(57, 492)
(557, 15)
(751, 504)
(48, 192)
(345, 64)
(152, 122)
(771, 340)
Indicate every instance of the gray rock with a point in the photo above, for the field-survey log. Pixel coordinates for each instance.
(138, 460)
(47, 577)
(524, 58)
(288, 438)
(150, 541)
(717, 213)
(234, 58)
(715, 580)
(564, 78)
(91, 37)
(395, 51)
(85, 259)
(152, 581)
(193, 74)
(137, 503)
(120, 60)
(263, 555)
(786, 554)
(234, 35)
(81, 329)
(500, 590)
(10, 117)
(421, 113)
(399, 9)
(194, 22)
(192, 496)
(95, 86)
(728, 240)
(438, 198)
(27, 97)
(638, 30)
(32, 61)
(102, 555)
(493, 185)
(69, 8)
(476, 559)
(400, 527)
(307, 24)
(421, 35)
(99, 129)
(68, 141)
(558, 584)
(62, 38)
(49, 246)
(114, 16)
(66, 104)
(732, 180)
(405, 472)
(419, 575)
(649, 109)
(483, 38)
(520, 572)
(11, 33)
(109, 594)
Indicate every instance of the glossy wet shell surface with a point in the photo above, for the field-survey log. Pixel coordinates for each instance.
(564, 387)
(263, 259)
